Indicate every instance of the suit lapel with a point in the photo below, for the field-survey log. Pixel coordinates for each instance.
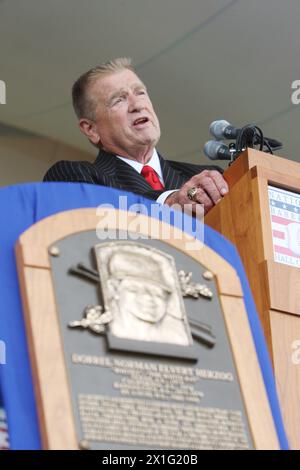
(118, 174)
(128, 178)
(173, 178)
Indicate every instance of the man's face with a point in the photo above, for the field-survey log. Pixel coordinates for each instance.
(125, 120)
(148, 302)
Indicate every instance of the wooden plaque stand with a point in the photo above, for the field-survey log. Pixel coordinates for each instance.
(243, 216)
(45, 342)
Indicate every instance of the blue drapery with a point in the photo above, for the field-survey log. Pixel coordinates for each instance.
(22, 206)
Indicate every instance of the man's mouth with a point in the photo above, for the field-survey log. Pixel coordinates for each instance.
(140, 121)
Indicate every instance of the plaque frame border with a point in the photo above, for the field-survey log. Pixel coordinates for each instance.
(54, 406)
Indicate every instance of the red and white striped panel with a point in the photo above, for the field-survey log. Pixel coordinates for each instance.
(4, 443)
(286, 236)
(285, 219)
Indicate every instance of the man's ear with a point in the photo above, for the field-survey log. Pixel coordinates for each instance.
(88, 128)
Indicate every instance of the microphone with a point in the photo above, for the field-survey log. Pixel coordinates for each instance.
(217, 150)
(222, 129)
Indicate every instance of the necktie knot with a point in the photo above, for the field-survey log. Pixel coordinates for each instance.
(151, 177)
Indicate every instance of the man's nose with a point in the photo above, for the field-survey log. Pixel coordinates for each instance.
(135, 103)
(147, 297)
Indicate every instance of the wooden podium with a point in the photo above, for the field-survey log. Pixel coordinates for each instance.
(247, 218)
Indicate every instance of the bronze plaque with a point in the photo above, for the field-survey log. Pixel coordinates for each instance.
(146, 348)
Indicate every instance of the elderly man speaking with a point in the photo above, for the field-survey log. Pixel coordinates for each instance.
(116, 114)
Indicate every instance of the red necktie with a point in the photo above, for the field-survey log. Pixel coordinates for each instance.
(151, 177)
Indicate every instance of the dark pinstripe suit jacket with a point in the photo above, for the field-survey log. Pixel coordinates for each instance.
(107, 170)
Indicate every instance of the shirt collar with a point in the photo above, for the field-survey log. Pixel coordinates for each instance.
(154, 162)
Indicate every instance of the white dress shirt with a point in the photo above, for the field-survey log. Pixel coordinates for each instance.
(155, 164)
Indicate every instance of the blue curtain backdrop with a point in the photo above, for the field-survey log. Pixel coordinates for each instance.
(22, 206)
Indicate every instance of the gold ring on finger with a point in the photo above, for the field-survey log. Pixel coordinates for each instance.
(192, 193)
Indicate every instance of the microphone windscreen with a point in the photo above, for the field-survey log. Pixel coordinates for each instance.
(217, 128)
(211, 149)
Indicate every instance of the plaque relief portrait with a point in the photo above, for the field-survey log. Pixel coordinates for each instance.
(141, 292)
